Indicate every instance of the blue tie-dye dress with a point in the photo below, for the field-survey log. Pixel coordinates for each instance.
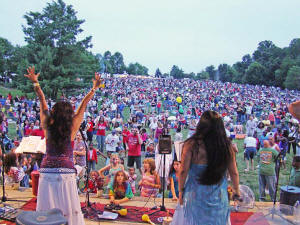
(204, 204)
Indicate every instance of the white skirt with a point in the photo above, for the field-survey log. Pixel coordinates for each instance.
(59, 190)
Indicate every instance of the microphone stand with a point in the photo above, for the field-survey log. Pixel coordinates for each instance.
(162, 207)
(85, 209)
(87, 171)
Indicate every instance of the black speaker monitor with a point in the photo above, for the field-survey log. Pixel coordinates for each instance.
(165, 144)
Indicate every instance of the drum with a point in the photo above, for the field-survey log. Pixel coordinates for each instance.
(288, 197)
(35, 175)
(50, 217)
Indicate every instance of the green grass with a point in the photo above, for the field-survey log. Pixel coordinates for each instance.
(251, 178)
(4, 91)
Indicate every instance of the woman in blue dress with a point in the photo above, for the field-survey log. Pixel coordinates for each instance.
(206, 158)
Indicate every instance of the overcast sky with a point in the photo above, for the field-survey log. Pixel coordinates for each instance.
(192, 34)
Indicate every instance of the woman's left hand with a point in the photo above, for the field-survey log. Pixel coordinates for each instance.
(97, 81)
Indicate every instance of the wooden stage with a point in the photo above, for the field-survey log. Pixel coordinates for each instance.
(26, 194)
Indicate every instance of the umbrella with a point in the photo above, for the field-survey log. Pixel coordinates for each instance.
(294, 121)
(172, 118)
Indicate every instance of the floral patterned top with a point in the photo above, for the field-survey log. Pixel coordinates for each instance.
(15, 175)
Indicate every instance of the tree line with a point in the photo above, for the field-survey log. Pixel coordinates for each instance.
(67, 64)
(52, 45)
(268, 65)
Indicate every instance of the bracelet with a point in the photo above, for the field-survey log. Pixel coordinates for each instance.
(36, 84)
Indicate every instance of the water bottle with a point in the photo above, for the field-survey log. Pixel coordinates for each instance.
(297, 212)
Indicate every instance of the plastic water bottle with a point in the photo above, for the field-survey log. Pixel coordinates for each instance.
(297, 212)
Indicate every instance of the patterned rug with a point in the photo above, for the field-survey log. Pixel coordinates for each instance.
(135, 214)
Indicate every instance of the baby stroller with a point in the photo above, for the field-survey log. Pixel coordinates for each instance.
(6, 142)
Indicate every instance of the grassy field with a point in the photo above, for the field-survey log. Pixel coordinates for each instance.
(250, 178)
(4, 91)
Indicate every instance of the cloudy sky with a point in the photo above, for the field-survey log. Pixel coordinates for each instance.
(160, 33)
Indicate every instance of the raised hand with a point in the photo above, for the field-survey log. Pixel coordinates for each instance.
(97, 81)
(31, 75)
(294, 109)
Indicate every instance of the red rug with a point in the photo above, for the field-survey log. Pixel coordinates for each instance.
(135, 214)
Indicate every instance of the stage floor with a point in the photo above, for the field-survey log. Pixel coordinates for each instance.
(26, 194)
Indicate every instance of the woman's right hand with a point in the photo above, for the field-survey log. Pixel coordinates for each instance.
(31, 75)
(236, 195)
(180, 198)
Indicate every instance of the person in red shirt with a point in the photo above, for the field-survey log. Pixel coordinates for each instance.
(272, 118)
(92, 157)
(125, 134)
(101, 127)
(89, 129)
(29, 129)
(134, 149)
(9, 96)
(38, 132)
(158, 107)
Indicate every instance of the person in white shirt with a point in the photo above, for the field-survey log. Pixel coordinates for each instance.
(113, 108)
(112, 141)
(153, 126)
(248, 111)
(250, 126)
(250, 144)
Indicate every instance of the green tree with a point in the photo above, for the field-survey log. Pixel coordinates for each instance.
(117, 63)
(176, 72)
(203, 75)
(240, 72)
(54, 48)
(254, 73)
(223, 70)
(281, 73)
(6, 54)
(293, 78)
(106, 61)
(137, 69)
(211, 71)
(246, 61)
(157, 73)
(294, 48)
(269, 56)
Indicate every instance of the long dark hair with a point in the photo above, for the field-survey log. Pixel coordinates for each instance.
(115, 184)
(172, 170)
(59, 124)
(211, 131)
(10, 160)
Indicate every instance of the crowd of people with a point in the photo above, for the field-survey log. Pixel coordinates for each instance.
(123, 122)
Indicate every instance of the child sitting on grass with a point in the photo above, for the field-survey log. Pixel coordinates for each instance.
(120, 190)
(150, 152)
